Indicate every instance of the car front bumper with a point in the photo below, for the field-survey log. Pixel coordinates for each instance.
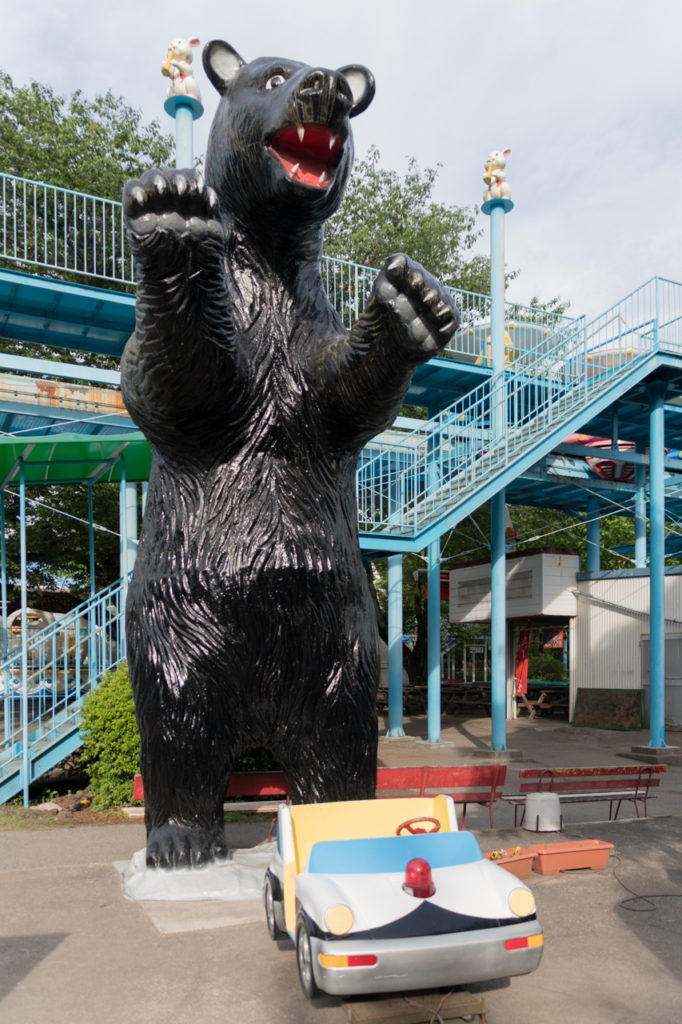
(430, 961)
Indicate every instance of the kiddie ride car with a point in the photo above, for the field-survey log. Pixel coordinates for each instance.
(387, 895)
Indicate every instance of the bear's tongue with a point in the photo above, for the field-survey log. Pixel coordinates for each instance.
(307, 153)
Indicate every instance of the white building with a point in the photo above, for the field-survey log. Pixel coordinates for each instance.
(605, 614)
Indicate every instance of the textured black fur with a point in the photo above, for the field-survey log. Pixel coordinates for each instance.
(249, 620)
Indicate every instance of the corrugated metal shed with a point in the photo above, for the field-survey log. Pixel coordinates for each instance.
(612, 619)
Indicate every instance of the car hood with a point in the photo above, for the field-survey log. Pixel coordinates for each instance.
(467, 896)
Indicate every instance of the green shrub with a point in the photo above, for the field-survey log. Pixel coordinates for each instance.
(111, 741)
(545, 668)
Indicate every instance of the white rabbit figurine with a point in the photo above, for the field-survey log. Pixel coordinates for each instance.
(178, 69)
(498, 186)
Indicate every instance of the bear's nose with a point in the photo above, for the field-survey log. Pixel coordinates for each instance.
(321, 80)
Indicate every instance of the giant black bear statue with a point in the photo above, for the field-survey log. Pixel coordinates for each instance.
(249, 620)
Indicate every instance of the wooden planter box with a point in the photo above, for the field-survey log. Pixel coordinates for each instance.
(519, 864)
(551, 858)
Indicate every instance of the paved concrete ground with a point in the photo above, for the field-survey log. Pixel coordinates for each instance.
(74, 951)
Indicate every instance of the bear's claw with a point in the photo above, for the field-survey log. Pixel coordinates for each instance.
(424, 309)
(184, 846)
(177, 202)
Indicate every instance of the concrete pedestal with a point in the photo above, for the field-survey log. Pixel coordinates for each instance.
(658, 755)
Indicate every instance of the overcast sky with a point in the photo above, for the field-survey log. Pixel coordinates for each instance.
(586, 93)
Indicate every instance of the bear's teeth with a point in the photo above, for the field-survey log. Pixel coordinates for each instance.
(322, 178)
(301, 133)
(295, 169)
(332, 141)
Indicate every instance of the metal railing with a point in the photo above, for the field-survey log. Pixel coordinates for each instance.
(74, 233)
(405, 484)
(62, 231)
(42, 692)
(349, 285)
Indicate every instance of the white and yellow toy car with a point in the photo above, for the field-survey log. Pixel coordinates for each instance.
(387, 895)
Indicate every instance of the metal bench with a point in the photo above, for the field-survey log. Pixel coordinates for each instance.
(583, 785)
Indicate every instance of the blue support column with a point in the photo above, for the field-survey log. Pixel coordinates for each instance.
(24, 631)
(433, 653)
(498, 624)
(496, 209)
(657, 564)
(3, 562)
(91, 541)
(7, 702)
(497, 288)
(640, 511)
(131, 523)
(185, 110)
(92, 634)
(593, 536)
(123, 523)
(395, 646)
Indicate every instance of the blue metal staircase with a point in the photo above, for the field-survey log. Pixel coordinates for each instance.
(44, 681)
(412, 489)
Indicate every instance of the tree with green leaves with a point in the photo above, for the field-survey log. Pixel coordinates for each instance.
(91, 146)
(383, 213)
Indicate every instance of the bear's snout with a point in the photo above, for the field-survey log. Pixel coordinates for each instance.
(319, 80)
(323, 97)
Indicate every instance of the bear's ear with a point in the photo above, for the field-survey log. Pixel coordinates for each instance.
(221, 63)
(361, 82)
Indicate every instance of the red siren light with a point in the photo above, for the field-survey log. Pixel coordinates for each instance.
(418, 881)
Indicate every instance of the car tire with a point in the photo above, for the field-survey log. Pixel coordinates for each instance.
(274, 931)
(304, 959)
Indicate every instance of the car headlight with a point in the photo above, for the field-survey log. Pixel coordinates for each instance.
(339, 919)
(521, 902)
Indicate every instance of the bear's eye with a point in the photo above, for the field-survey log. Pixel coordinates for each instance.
(274, 81)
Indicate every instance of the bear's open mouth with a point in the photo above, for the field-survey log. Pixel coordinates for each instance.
(308, 153)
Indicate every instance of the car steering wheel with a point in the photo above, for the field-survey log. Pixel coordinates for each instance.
(408, 826)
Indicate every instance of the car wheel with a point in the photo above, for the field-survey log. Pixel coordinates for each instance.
(304, 958)
(274, 931)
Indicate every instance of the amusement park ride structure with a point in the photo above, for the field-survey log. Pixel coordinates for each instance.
(515, 412)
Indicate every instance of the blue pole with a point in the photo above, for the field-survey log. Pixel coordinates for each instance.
(92, 645)
(7, 703)
(496, 209)
(185, 110)
(433, 648)
(640, 511)
(593, 536)
(131, 523)
(3, 559)
(395, 646)
(657, 564)
(123, 524)
(24, 629)
(497, 286)
(91, 540)
(498, 624)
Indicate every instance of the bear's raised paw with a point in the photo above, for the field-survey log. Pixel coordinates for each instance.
(424, 311)
(171, 205)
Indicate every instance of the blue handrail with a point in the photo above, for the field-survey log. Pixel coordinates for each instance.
(66, 232)
(406, 483)
(64, 662)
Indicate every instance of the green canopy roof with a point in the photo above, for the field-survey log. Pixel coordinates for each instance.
(68, 458)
